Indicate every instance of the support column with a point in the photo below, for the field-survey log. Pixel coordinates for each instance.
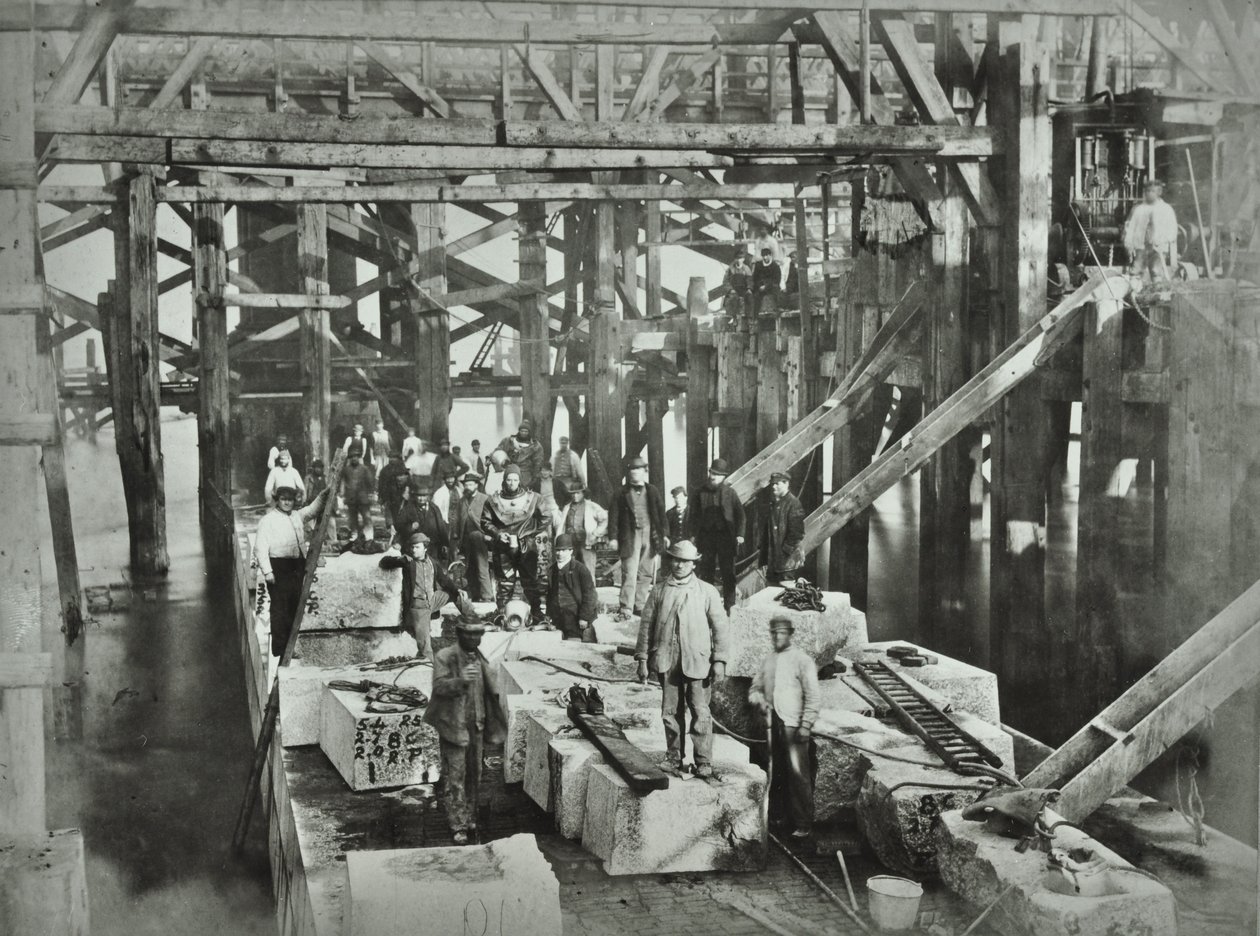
(140, 432)
(700, 389)
(214, 410)
(603, 404)
(577, 228)
(430, 333)
(652, 272)
(1020, 648)
(313, 334)
(535, 321)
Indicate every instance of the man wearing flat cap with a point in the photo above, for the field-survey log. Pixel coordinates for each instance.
(280, 550)
(683, 642)
(585, 521)
(781, 532)
(785, 690)
(512, 520)
(426, 588)
(465, 712)
(526, 453)
(717, 529)
(566, 467)
(638, 536)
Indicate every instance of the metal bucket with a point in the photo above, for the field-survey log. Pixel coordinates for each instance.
(893, 901)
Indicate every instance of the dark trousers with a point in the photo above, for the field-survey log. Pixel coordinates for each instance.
(461, 779)
(681, 695)
(360, 519)
(525, 562)
(566, 621)
(477, 556)
(285, 593)
(717, 557)
(795, 766)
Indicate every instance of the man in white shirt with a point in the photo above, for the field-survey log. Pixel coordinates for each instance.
(412, 448)
(380, 447)
(282, 445)
(284, 475)
(280, 550)
(1150, 234)
(785, 689)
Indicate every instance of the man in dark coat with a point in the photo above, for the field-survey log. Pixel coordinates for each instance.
(526, 453)
(426, 588)
(512, 520)
(766, 277)
(717, 529)
(781, 533)
(418, 515)
(444, 463)
(359, 490)
(638, 536)
(390, 487)
(466, 713)
(675, 524)
(476, 550)
(571, 594)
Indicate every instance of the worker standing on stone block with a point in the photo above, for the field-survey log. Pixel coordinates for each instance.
(475, 549)
(585, 521)
(717, 529)
(638, 536)
(512, 520)
(683, 641)
(426, 588)
(465, 712)
(571, 594)
(781, 533)
(280, 550)
(785, 689)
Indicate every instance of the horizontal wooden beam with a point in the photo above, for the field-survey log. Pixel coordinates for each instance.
(28, 429)
(25, 670)
(847, 140)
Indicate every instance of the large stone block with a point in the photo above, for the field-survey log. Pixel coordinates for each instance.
(43, 883)
(610, 630)
(352, 591)
(968, 688)
(1114, 897)
(841, 766)
(506, 886)
(347, 647)
(371, 750)
(301, 695)
(694, 825)
(598, 663)
(820, 634)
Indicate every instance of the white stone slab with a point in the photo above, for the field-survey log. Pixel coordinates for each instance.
(347, 647)
(505, 887)
(979, 865)
(609, 630)
(967, 687)
(353, 591)
(301, 694)
(822, 635)
(372, 751)
(689, 827)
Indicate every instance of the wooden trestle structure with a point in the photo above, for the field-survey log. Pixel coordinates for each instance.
(350, 134)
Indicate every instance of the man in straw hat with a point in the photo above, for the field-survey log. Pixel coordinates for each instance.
(785, 689)
(426, 588)
(466, 714)
(683, 641)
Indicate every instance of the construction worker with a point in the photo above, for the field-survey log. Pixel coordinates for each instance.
(476, 551)
(280, 550)
(512, 520)
(466, 713)
(426, 589)
(566, 467)
(526, 453)
(585, 521)
(717, 528)
(785, 690)
(571, 603)
(782, 530)
(683, 641)
(638, 536)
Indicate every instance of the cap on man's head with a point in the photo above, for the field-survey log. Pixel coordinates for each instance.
(285, 490)
(476, 441)
(637, 462)
(421, 488)
(564, 541)
(418, 536)
(679, 489)
(470, 628)
(472, 476)
(684, 550)
(767, 252)
(781, 623)
(720, 467)
(564, 438)
(574, 487)
(780, 476)
(511, 470)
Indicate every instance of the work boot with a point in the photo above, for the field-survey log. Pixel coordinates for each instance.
(577, 698)
(669, 764)
(623, 614)
(705, 772)
(594, 701)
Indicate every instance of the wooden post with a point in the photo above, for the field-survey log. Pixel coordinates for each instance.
(655, 409)
(314, 330)
(652, 271)
(628, 228)
(577, 228)
(603, 402)
(214, 381)
(1098, 541)
(535, 321)
(21, 709)
(430, 334)
(1018, 636)
(699, 385)
(944, 482)
(140, 435)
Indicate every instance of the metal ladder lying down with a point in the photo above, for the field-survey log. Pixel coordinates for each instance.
(923, 719)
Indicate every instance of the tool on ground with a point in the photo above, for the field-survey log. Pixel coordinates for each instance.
(987, 910)
(765, 798)
(958, 748)
(633, 766)
(267, 730)
(848, 882)
(851, 914)
(802, 596)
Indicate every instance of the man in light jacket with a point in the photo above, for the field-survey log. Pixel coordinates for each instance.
(638, 536)
(280, 550)
(785, 689)
(683, 641)
(585, 521)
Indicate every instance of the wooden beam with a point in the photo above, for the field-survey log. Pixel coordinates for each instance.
(1004, 372)
(429, 97)
(427, 334)
(649, 85)
(535, 318)
(197, 53)
(92, 43)
(547, 82)
(28, 430)
(1156, 711)
(893, 342)
(1184, 56)
(1229, 35)
(314, 329)
(214, 405)
(685, 78)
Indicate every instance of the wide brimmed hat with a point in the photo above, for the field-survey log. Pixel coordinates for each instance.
(684, 550)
